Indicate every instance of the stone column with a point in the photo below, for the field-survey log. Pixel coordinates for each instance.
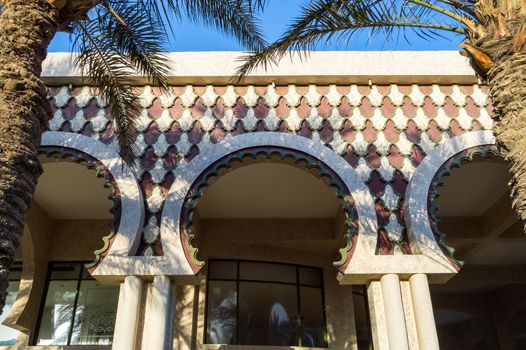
(159, 315)
(394, 312)
(377, 316)
(127, 319)
(423, 310)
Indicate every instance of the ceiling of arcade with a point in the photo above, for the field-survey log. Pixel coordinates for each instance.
(259, 209)
(67, 190)
(70, 210)
(268, 190)
(474, 208)
(383, 132)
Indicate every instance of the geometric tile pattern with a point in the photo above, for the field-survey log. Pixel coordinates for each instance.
(383, 132)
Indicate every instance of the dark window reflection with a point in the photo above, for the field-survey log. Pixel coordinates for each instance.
(471, 317)
(268, 313)
(222, 312)
(252, 303)
(361, 318)
(313, 316)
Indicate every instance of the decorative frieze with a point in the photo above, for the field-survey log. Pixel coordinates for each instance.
(383, 132)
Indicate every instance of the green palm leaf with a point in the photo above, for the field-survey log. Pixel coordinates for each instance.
(120, 39)
(341, 20)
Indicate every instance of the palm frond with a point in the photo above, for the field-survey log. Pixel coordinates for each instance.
(117, 42)
(232, 17)
(465, 20)
(124, 28)
(110, 73)
(461, 7)
(327, 20)
(236, 18)
(121, 39)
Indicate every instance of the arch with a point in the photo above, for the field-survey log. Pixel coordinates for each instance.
(438, 180)
(296, 158)
(417, 215)
(171, 236)
(128, 235)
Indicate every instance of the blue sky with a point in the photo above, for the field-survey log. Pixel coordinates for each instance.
(191, 37)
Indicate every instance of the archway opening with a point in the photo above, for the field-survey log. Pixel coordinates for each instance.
(476, 308)
(270, 211)
(269, 228)
(75, 207)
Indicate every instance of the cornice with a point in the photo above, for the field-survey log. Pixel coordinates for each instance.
(321, 67)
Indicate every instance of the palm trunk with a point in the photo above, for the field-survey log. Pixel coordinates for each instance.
(507, 80)
(26, 28)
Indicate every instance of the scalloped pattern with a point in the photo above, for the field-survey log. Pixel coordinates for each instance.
(438, 180)
(109, 183)
(382, 131)
(196, 191)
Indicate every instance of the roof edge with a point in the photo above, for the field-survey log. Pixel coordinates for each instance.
(321, 67)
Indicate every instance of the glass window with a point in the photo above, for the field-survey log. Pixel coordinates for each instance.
(268, 314)
(312, 316)
(223, 270)
(267, 272)
(77, 309)
(9, 335)
(222, 312)
(310, 277)
(361, 318)
(253, 303)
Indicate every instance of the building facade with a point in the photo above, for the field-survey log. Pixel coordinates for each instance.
(350, 201)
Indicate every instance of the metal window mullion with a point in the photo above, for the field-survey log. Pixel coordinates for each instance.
(324, 310)
(300, 322)
(75, 305)
(206, 340)
(237, 304)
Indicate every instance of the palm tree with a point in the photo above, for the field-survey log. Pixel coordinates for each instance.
(116, 39)
(494, 34)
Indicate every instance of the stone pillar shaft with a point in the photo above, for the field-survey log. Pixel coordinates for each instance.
(158, 323)
(127, 319)
(377, 316)
(394, 312)
(423, 310)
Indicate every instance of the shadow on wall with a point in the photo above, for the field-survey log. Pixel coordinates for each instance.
(22, 316)
(184, 330)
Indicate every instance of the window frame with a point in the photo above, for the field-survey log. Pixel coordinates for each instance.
(297, 284)
(82, 272)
